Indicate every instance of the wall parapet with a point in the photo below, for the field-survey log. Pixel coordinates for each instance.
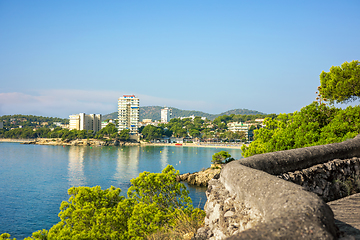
(276, 163)
(248, 202)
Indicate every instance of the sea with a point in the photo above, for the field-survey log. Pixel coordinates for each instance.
(34, 179)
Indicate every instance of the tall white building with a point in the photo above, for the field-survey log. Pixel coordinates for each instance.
(128, 109)
(166, 114)
(84, 121)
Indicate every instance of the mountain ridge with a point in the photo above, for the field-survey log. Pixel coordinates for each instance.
(153, 112)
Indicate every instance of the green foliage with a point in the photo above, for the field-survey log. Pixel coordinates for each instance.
(221, 157)
(185, 225)
(39, 235)
(6, 236)
(124, 135)
(155, 202)
(151, 132)
(314, 124)
(108, 130)
(31, 121)
(341, 84)
(90, 213)
(160, 188)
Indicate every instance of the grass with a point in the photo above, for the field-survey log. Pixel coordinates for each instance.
(185, 226)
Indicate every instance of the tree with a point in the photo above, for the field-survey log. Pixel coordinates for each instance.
(90, 213)
(314, 124)
(341, 84)
(124, 135)
(221, 157)
(151, 132)
(108, 129)
(155, 200)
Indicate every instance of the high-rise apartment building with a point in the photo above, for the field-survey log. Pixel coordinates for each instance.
(84, 121)
(166, 114)
(128, 109)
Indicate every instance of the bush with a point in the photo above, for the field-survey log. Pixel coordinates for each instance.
(155, 202)
(221, 157)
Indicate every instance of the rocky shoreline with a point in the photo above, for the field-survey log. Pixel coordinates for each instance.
(200, 178)
(80, 142)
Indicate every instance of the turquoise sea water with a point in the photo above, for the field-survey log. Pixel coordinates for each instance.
(34, 179)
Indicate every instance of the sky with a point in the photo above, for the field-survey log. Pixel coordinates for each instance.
(65, 57)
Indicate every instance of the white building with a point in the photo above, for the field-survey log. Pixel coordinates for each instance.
(83, 121)
(166, 114)
(128, 109)
(106, 122)
(239, 127)
(192, 117)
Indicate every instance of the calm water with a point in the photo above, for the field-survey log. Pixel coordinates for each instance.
(34, 179)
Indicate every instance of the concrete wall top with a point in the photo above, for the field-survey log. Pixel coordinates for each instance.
(296, 159)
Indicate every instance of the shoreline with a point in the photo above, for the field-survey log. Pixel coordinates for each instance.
(217, 145)
(46, 141)
(15, 140)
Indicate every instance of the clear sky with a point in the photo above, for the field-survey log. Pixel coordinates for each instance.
(64, 57)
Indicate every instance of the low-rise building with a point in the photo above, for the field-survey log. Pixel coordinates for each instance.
(106, 122)
(239, 127)
(84, 121)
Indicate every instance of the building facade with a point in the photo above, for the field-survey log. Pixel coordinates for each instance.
(166, 114)
(128, 110)
(239, 127)
(84, 121)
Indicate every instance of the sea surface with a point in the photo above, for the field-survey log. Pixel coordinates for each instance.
(34, 179)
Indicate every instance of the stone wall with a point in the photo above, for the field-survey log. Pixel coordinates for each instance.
(248, 202)
(330, 181)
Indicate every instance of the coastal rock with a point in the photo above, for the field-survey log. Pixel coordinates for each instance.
(79, 142)
(199, 178)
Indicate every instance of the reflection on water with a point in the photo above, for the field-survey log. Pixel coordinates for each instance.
(127, 165)
(76, 166)
(164, 157)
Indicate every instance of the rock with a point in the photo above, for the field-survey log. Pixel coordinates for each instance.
(199, 178)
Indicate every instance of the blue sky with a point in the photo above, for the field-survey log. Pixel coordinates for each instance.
(63, 57)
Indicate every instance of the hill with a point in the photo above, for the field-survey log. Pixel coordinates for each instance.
(153, 112)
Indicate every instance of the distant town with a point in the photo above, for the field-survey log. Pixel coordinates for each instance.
(169, 129)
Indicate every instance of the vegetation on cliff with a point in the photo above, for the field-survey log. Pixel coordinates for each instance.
(156, 204)
(342, 83)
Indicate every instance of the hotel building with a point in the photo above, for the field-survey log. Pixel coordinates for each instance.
(166, 114)
(128, 109)
(84, 121)
(239, 127)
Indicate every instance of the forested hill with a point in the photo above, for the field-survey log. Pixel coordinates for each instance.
(153, 112)
(14, 121)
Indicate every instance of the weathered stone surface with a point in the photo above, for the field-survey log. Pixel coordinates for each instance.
(245, 203)
(330, 181)
(225, 216)
(297, 159)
